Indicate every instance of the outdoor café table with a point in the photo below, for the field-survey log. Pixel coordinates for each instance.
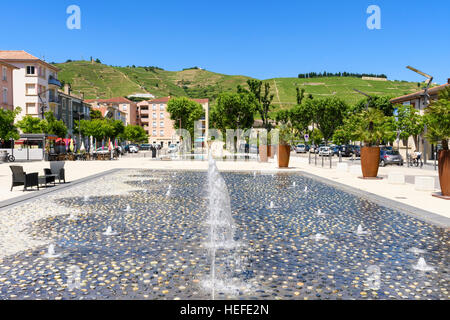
(43, 180)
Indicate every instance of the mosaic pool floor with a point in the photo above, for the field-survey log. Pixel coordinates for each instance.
(159, 252)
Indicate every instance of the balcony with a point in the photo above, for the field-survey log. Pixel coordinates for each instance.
(54, 82)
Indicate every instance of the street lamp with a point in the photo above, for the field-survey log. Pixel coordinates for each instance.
(426, 100)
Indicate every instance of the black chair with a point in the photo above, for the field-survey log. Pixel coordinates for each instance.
(21, 178)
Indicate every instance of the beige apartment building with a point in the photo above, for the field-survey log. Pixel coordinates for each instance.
(155, 120)
(35, 83)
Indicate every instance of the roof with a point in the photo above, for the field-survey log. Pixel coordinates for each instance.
(418, 94)
(112, 100)
(166, 99)
(4, 63)
(20, 55)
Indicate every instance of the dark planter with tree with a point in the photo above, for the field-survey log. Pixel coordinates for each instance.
(437, 119)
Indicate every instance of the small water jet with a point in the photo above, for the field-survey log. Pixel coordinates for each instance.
(422, 266)
(86, 199)
(320, 213)
(306, 189)
(51, 253)
(272, 205)
(361, 232)
(73, 217)
(110, 232)
(128, 209)
(417, 250)
(169, 191)
(319, 237)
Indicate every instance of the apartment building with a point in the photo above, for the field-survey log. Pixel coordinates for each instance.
(71, 107)
(155, 120)
(35, 83)
(6, 85)
(116, 108)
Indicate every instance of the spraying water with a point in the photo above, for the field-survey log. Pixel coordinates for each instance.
(51, 253)
(109, 232)
(422, 266)
(221, 229)
(361, 232)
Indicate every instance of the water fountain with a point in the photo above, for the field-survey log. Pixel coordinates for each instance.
(110, 232)
(320, 213)
(86, 199)
(416, 250)
(72, 217)
(221, 229)
(422, 266)
(51, 253)
(306, 189)
(361, 232)
(272, 205)
(319, 237)
(169, 191)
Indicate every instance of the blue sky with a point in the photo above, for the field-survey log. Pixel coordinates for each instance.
(263, 39)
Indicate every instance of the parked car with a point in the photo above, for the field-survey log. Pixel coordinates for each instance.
(390, 157)
(346, 150)
(132, 148)
(314, 149)
(325, 151)
(145, 146)
(301, 148)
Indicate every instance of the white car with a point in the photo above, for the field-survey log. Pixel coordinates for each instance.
(300, 148)
(325, 151)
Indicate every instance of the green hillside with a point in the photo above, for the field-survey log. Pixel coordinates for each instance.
(98, 80)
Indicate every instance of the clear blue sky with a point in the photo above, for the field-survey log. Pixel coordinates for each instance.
(263, 39)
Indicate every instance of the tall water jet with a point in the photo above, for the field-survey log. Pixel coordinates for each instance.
(221, 228)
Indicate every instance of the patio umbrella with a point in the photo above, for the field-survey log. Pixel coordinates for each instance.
(71, 145)
(91, 144)
(66, 142)
(109, 144)
(82, 148)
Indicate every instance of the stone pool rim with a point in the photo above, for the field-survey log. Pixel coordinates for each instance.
(423, 215)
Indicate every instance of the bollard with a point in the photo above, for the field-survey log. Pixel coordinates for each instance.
(340, 156)
(315, 158)
(331, 161)
(309, 157)
(407, 158)
(323, 160)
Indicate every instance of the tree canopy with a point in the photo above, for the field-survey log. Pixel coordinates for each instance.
(7, 128)
(186, 111)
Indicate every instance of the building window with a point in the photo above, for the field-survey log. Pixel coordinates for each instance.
(5, 95)
(161, 124)
(161, 115)
(124, 107)
(154, 124)
(31, 108)
(4, 77)
(161, 133)
(31, 89)
(31, 70)
(154, 107)
(154, 133)
(161, 107)
(154, 115)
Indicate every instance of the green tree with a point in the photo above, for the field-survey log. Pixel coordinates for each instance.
(234, 111)
(96, 114)
(264, 100)
(381, 103)
(301, 118)
(409, 123)
(300, 95)
(7, 128)
(186, 111)
(327, 114)
(437, 119)
(52, 126)
(372, 127)
(135, 134)
(30, 124)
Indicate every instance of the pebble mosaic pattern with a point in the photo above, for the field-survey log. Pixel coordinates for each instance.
(159, 250)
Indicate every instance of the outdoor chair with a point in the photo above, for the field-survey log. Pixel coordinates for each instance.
(48, 177)
(57, 169)
(21, 178)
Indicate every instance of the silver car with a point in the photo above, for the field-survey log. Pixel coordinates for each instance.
(325, 151)
(301, 148)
